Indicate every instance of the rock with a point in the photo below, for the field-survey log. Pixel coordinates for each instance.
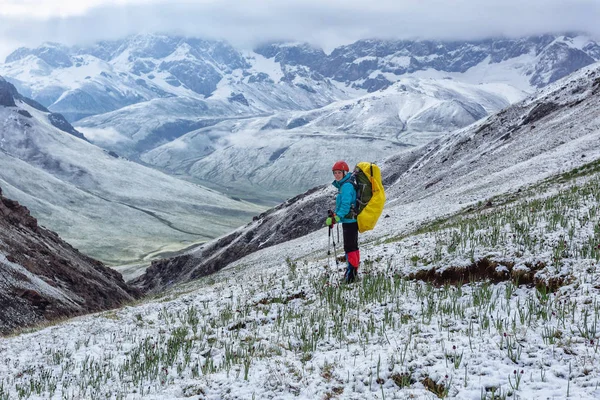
(7, 94)
(43, 278)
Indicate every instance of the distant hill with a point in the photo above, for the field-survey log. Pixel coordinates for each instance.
(108, 207)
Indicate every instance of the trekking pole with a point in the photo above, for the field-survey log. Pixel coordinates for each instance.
(335, 254)
(329, 243)
(329, 249)
(332, 216)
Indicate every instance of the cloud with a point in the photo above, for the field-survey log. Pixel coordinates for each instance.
(325, 23)
(103, 136)
(44, 9)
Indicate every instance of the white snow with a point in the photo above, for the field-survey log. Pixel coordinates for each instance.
(278, 324)
(270, 328)
(365, 58)
(510, 72)
(31, 281)
(266, 65)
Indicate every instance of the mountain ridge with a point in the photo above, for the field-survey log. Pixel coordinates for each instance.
(105, 205)
(44, 278)
(199, 65)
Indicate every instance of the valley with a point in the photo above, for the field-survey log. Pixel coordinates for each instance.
(207, 187)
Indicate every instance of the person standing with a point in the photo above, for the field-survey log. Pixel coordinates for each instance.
(345, 213)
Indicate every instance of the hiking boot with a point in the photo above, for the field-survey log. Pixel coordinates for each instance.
(351, 273)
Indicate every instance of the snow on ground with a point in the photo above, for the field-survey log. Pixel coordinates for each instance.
(457, 297)
(279, 324)
(265, 65)
(508, 72)
(31, 281)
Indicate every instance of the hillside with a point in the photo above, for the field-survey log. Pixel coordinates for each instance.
(480, 281)
(275, 154)
(498, 300)
(106, 206)
(43, 278)
(555, 129)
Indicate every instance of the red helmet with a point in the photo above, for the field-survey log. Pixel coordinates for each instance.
(340, 166)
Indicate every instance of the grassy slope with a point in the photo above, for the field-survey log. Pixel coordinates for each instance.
(498, 301)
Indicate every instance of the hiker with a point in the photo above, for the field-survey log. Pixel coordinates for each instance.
(345, 213)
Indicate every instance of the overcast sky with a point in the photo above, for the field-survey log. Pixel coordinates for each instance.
(325, 23)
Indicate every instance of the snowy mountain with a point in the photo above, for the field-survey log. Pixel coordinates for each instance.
(530, 62)
(74, 85)
(481, 281)
(111, 208)
(85, 81)
(275, 155)
(132, 130)
(553, 130)
(44, 278)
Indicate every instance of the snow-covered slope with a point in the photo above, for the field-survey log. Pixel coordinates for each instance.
(43, 278)
(266, 165)
(80, 87)
(481, 285)
(133, 130)
(108, 207)
(410, 106)
(555, 129)
(275, 155)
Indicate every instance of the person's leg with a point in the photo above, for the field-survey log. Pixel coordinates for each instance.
(351, 250)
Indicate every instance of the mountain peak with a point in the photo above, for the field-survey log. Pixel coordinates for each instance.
(54, 54)
(114, 74)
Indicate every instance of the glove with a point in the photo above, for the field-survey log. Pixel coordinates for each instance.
(329, 221)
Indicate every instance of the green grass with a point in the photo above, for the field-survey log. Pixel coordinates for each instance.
(300, 311)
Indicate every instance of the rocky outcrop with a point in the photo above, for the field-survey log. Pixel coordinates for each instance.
(43, 278)
(7, 93)
(58, 121)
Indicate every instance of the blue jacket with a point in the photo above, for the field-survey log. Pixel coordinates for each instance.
(346, 198)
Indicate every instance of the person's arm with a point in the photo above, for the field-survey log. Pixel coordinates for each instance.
(346, 200)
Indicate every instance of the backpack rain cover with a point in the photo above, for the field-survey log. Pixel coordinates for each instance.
(371, 197)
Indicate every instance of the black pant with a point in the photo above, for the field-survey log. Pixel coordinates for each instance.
(350, 236)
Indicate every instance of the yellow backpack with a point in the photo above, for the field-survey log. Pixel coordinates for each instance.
(370, 195)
